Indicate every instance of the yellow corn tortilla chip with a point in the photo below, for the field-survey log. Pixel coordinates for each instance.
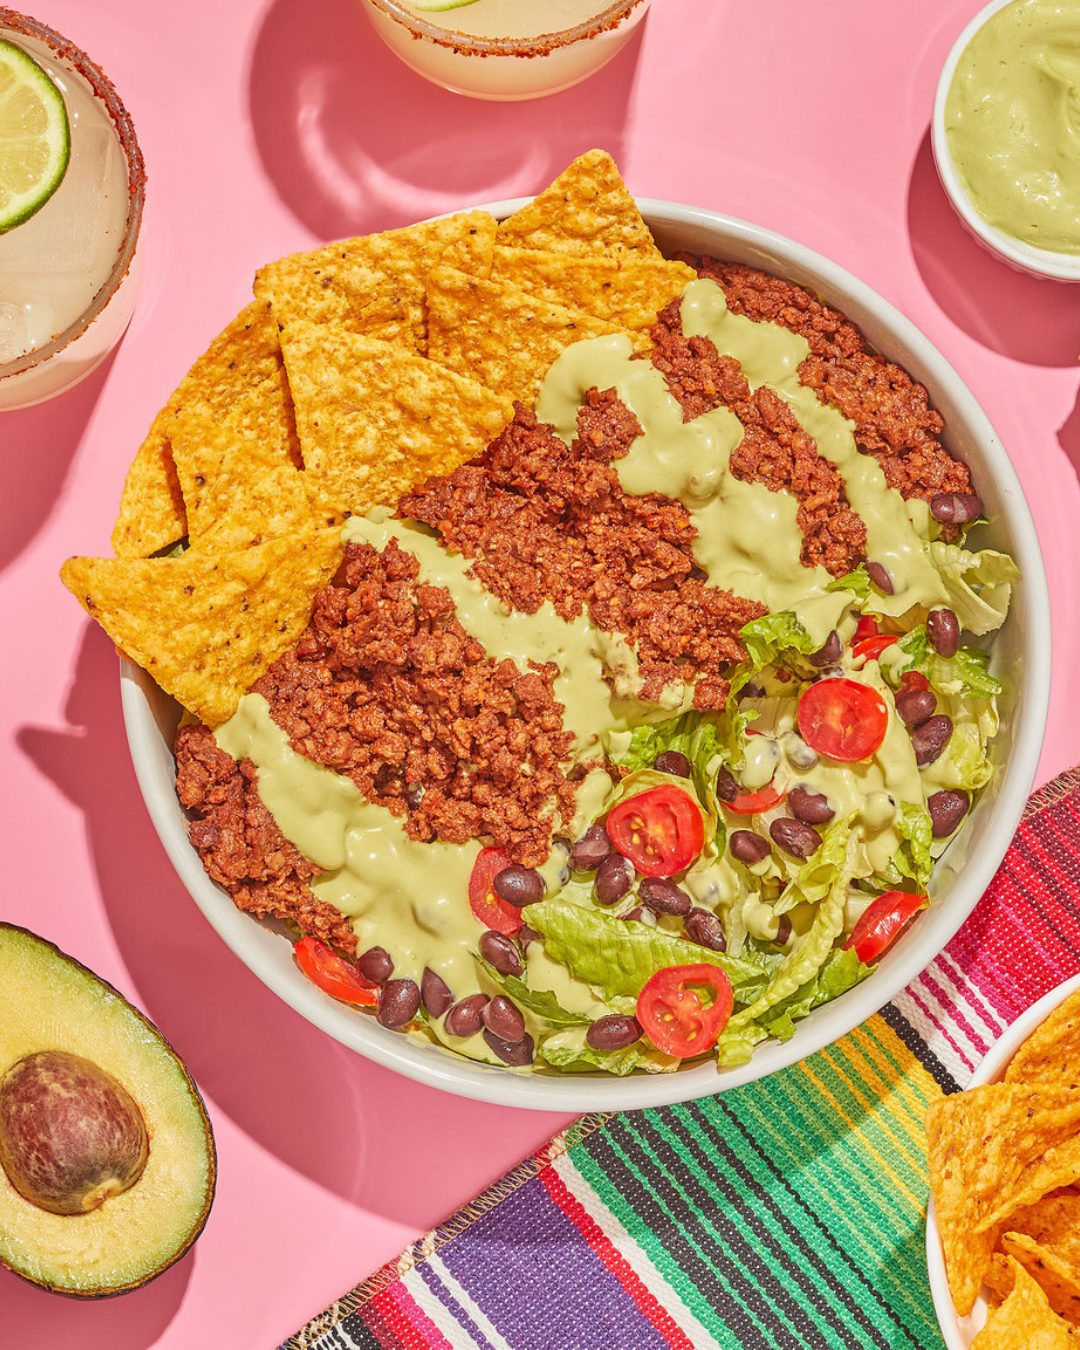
(586, 209)
(374, 285)
(376, 419)
(498, 334)
(151, 513)
(1053, 1221)
(979, 1144)
(1058, 1279)
(1050, 1057)
(238, 467)
(205, 627)
(627, 290)
(1025, 1321)
(1058, 1166)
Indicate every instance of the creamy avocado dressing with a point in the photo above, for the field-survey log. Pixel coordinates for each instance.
(1012, 122)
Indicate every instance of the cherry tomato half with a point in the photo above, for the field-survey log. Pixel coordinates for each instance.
(874, 646)
(676, 1018)
(752, 803)
(660, 830)
(842, 719)
(881, 921)
(333, 973)
(492, 911)
(865, 628)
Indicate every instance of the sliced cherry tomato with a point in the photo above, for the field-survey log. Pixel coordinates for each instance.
(752, 803)
(875, 645)
(842, 719)
(661, 830)
(490, 909)
(676, 1018)
(865, 628)
(333, 973)
(913, 679)
(881, 921)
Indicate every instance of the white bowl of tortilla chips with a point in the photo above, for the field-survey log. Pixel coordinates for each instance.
(1014, 1283)
(257, 579)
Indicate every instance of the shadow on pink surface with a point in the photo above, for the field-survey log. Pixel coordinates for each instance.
(38, 445)
(1027, 318)
(352, 1127)
(354, 141)
(32, 1316)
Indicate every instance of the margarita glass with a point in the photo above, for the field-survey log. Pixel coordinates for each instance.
(506, 49)
(67, 277)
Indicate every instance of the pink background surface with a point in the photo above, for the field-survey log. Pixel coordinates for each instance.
(268, 126)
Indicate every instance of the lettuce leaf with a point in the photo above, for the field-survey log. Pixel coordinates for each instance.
(967, 673)
(979, 585)
(617, 956)
(569, 1052)
(857, 582)
(842, 971)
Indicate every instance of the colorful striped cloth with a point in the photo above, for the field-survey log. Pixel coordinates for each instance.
(782, 1215)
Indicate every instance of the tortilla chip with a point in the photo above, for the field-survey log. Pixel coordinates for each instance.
(1058, 1279)
(1050, 1057)
(626, 290)
(1025, 1321)
(376, 419)
(206, 628)
(1058, 1166)
(374, 285)
(586, 210)
(500, 335)
(1053, 1221)
(151, 514)
(979, 1144)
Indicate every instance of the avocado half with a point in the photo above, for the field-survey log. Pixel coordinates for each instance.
(52, 1003)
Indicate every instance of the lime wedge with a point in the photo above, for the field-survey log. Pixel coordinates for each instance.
(35, 142)
(439, 6)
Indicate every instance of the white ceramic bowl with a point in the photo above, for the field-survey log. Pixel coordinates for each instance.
(1021, 658)
(1037, 261)
(959, 1331)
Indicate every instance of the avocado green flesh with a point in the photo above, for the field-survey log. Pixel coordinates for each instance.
(53, 1003)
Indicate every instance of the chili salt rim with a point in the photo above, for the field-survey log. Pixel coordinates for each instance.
(104, 89)
(469, 44)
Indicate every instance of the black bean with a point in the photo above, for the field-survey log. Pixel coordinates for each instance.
(414, 795)
(705, 928)
(590, 850)
(614, 1032)
(435, 993)
(504, 1018)
(795, 836)
(518, 886)
(614, 877)
(727, 785)
(943, 631)
(672, 761)
(748, 847)
(829, 653)
(399, 1002)
(813, 807)
(879, 577)
(931, 737)
(915, 706)
(502, 952)
(798, 752)
(663, 896)
(375, 964)
(636, 914)
(751, 689)
(515, 1053)
(947, 809)
(465, 1017)
(955, 508)
(783, 931)
(526, 936)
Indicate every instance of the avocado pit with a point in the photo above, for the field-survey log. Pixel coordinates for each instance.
(71, 1135)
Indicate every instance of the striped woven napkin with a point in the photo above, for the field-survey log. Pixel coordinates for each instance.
(785, 1215)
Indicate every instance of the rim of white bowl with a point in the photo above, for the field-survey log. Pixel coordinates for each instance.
(260, 949)
(958, 1331)
(1036, 261)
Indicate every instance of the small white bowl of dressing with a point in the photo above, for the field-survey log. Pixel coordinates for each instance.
(1006, 133)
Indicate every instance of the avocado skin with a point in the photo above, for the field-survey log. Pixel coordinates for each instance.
(50, 950)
